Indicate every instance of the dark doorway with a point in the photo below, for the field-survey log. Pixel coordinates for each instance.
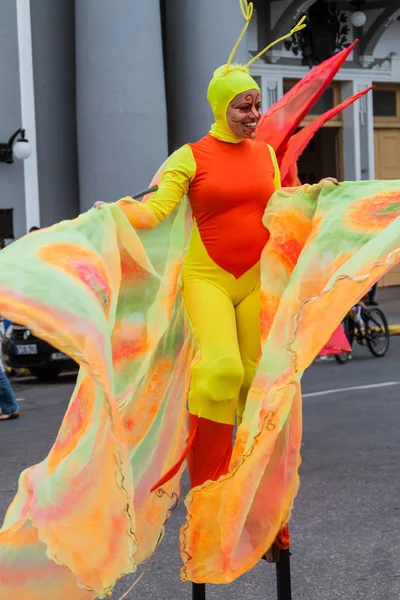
(6, 223)
(321, 157)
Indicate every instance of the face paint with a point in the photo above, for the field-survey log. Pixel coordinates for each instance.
(225, 88)
(244, 113)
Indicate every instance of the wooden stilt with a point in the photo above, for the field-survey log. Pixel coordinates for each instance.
(198, 591)
(283, 581)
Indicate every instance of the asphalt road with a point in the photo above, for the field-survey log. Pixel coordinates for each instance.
(346, 523)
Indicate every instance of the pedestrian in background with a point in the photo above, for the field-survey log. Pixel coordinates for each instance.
(372, 294)
(8, 403)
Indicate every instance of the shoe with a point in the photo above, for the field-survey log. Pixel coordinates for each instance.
(9, 416)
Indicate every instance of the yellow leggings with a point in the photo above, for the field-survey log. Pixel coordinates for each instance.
(225, 316)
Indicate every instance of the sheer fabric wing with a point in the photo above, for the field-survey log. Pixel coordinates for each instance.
(281, 121)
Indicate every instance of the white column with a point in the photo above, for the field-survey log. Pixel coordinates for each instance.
(371, 134)
(351, 135)
(271, 86)
(264, 93)
(200, 37)
(121, 107)
(272, 90)
(280, 87)
(31, 179)
(366, 132)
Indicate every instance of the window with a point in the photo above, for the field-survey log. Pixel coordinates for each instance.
(326, 102)
(385, 103)
(330, 98)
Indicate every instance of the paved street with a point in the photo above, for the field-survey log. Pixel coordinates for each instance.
(346, 522)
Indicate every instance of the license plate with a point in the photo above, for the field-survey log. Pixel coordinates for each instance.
(59, 356)
(28, 349)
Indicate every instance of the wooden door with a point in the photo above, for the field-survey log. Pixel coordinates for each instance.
(387, 153)
(387, 166)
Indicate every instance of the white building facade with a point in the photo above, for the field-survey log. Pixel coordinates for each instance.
(105, 89)
(364, 142)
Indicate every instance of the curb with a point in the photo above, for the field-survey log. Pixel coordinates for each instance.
(394, 330)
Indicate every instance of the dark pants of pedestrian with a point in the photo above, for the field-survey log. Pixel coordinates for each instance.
(8, 401)
(372, 294)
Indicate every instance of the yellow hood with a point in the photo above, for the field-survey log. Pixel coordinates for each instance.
(223, 88)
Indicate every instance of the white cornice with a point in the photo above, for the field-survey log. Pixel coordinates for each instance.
(297, 72)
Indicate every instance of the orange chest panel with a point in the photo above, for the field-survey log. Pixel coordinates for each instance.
(228, 195)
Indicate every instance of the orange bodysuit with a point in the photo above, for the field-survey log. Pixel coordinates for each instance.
(228, 195)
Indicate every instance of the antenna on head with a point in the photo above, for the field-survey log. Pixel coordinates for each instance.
(300, 25)
(247, 12)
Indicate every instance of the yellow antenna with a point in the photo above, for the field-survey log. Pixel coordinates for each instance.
(300, 25)
(247, 12)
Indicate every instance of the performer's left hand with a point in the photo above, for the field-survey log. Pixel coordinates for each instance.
(331, 179)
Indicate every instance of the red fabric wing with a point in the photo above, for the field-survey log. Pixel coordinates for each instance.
(300, 140)
(282, 120)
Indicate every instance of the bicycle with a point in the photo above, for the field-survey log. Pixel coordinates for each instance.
(367, 326)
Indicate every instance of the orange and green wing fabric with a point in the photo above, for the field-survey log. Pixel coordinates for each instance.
(109, 296)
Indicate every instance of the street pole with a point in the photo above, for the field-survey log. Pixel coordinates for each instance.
(283, 581)
(198, 591)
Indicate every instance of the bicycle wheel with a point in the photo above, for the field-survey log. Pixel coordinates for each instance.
(377, 332)
(342, 358)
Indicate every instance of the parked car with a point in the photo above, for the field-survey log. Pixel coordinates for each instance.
(22, 350)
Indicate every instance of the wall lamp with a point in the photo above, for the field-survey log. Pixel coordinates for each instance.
(358, 17)
(21, 149)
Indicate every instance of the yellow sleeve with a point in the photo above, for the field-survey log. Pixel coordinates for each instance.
(179, 172)
(277, 175)
(174, 184)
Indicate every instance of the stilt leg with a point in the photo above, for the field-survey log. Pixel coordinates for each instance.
(283, 581)
(198, 591)
(209, 458)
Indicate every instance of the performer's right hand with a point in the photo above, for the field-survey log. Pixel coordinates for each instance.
(98, 204)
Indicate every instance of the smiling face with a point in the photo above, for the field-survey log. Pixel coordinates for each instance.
(244, 113)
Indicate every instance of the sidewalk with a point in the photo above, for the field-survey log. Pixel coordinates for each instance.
(389, 302)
